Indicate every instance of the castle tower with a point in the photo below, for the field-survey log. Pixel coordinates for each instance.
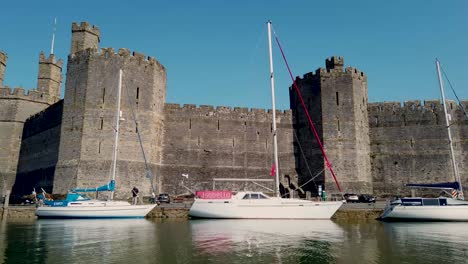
(88, 121)
(337, 102)
(84, 36)
(49, 79)
(3, 61)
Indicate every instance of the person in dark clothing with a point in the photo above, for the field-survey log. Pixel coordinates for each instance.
(135, 192)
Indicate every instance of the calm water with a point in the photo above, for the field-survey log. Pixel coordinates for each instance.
(231, 241)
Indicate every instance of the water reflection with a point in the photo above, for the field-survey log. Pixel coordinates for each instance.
(266, 241)
(435, 242)
(231, 241)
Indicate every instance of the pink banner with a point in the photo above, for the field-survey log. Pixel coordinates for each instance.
(214, 194)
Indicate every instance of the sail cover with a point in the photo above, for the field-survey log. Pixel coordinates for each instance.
(107, 187)
(443, 185)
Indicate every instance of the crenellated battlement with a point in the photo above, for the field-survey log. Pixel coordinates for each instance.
(334, 62)
(334, 65)
(86, 27)
(50, 60)
(433, 105)
(109, 53)
(212, 110)
(20, 93)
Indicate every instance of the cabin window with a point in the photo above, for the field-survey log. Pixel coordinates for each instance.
(261, 196)
(246, 197)
(430, 201)
(443, 201)
(254, 196)
(409, 202)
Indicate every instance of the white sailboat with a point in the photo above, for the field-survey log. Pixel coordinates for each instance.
(257, 205)
(432, 209)
(79, 206)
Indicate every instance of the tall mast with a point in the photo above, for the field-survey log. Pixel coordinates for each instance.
(272, 84)
(117, 128)
(447, 123)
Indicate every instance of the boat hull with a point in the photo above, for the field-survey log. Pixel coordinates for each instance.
(263, 209)
(426, 213)
(99, 210)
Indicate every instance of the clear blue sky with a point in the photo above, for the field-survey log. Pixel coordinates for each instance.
(215, 52)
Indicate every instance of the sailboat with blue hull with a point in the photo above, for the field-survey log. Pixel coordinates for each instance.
(453, 208)
(77, 205)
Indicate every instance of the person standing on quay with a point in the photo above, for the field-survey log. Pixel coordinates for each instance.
(135, 195)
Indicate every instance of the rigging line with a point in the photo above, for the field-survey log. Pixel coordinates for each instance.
(148, 170)
(316, 175)
(453, 90)
(304, 157)
(312, 126)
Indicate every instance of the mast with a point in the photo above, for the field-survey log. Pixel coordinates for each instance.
(117, 128)
(447, 122)
(272, 84)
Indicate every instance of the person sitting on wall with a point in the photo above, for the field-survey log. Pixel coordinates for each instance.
(153, 198)
(135, 192)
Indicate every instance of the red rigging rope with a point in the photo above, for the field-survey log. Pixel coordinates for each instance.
(312, 126)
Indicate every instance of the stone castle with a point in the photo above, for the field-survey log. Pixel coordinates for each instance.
(57, 144)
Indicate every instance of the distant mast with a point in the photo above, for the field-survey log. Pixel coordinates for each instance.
(275, 140)
(447, 123)
(53, 37)
(117, 128)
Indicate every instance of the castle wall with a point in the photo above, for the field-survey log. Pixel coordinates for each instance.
(207, 142)
(409, 144)
(87, 135)
(39, 150)
(15, 108)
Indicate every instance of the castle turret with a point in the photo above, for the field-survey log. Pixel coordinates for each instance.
(334, 62)
(49, 79)
(84, 36)
(3, 61)
(337, 102)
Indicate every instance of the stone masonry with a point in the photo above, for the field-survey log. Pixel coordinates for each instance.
(60, 144)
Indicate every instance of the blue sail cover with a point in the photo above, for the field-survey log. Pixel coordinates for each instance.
(443, 185)
(107, 187)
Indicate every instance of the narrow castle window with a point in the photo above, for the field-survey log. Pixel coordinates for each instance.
(198, 141)
(190, 124)
(137, 93)
(102, 124)
(338, 123)
(233, 143)
(103, 94)
(99, 149)
(337, 99)
(218, 124)
(412, 142)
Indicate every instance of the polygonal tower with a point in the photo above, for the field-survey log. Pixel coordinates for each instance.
(49, 78)
(336, 99)
(84, 36)
(88, 121)
(3, 61)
